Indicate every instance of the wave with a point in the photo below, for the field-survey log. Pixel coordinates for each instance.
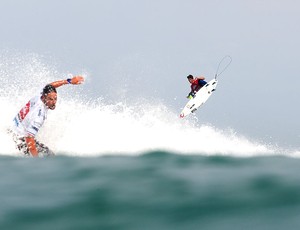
(92, 127)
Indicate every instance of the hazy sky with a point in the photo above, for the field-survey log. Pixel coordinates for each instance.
(146, 48)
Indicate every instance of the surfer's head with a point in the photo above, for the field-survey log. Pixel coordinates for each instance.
(190, 78)
(49, 96)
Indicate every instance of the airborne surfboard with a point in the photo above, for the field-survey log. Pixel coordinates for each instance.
(200, 98)
(205, 92)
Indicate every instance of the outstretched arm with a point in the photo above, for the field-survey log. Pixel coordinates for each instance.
(76, 80)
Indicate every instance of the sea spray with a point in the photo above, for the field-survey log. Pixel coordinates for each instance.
(81, 126)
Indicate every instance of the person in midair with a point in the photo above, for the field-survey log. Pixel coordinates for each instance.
(196, 84)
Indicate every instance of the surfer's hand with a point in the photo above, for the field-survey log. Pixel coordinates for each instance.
(31, 145)
(76, 80)
(191, 95)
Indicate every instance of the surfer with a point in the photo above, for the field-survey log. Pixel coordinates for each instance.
(31, 117)
(196, 84)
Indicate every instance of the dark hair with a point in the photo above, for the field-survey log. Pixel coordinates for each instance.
(48, 89)
(190, 76)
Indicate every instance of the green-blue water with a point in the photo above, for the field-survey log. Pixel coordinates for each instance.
(156, 190)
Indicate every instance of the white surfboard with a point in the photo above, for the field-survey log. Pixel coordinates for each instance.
(200, 98)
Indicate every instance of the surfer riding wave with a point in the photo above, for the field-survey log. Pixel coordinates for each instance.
(31, 117)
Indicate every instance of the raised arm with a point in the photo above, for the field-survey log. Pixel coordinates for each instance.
(201, 78)
(76, 80)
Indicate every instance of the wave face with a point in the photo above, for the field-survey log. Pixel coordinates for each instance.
(158, 190)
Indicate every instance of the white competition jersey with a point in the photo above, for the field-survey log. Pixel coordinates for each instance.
(30, 118)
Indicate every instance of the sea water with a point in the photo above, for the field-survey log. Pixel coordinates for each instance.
(155, 190)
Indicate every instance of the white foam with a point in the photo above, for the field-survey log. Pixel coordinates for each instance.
(75, 128)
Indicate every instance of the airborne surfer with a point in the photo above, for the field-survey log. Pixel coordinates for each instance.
(205, 92)
(31, 117)
(196, 84)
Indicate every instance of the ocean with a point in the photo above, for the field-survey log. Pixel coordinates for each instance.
(136, 165)
(155, 190)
